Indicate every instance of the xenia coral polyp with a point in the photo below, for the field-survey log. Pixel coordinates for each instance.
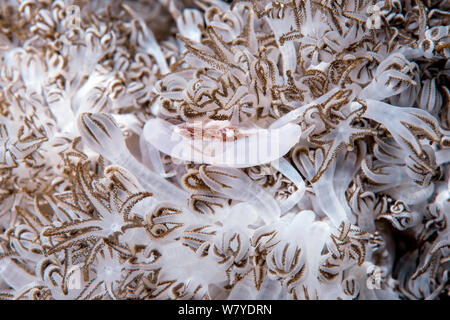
(167, 149)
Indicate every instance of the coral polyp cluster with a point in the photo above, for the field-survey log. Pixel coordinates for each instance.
(177, 149)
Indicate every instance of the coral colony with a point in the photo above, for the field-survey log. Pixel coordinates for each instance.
(201, 149)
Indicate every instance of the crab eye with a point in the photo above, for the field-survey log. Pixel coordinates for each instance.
(158, 230)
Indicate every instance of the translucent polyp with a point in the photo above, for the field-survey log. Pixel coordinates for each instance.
(219, 143)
